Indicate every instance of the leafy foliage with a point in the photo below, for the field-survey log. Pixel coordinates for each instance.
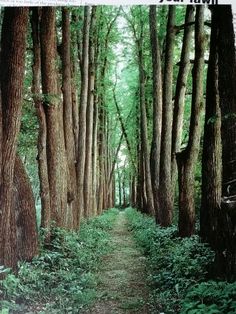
(210, 297)
(175, 264)
(61, 279)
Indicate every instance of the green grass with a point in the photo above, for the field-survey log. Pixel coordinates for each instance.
(61, 279)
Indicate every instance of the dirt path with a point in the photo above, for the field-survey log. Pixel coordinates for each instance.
(122, 287)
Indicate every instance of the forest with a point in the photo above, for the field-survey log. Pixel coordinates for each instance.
(118, 159)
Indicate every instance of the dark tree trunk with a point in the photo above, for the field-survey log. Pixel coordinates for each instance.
(165, 186)
(226, 251)
(13, 45)
(187, 159)
(211, 156)
(157, 108)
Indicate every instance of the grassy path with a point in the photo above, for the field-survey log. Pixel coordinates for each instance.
(122, 281)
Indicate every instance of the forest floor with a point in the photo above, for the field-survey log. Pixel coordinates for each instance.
(122, 286)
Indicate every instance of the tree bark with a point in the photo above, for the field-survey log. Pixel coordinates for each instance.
(157, 107)
(82, 113)
(187, 159)
(42, 133)
(180, 92)
(212, 152)
(165, 186)
(72, 199)
(55, 142)
(88, 190)
(25, 214)
(13, 46)
(226, 251)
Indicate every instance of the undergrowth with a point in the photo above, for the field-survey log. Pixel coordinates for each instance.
(178, 271)
(62, 278)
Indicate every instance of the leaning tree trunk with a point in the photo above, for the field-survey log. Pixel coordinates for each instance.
(226, 250)
(42, 133)
(187, 159)
(181, 86)
(13, 45)
(157, 108)
(165, 186)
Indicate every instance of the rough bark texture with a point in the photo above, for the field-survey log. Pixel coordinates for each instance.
(157, 107)
(211, 156)
(165, 189)
(89, 122)
(187, 159)
(42, 133)
(53, 110)
(13, 45)
(82, 113)
(72, 199)
(25, 214)
(226, 251)
(180, 92)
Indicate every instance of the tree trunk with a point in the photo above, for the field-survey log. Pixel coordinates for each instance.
(72, 199)
(13, 45)
(226, 251)
(25, 214)
(157, 107)
(42, 133)
(55, 150)
(88, 190)
(82, 113)
(188, 158)
(143, 126)
(181, 90)
(211, 155)
(165, 186)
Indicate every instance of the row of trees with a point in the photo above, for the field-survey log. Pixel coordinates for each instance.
(163, 155)
(56, 60)
(116, 109)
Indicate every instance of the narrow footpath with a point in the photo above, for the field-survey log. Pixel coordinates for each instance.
(122, 281)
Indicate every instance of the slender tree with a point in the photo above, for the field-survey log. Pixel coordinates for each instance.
(165, 186)
(82, 112)
(187, 159)
(157, 107)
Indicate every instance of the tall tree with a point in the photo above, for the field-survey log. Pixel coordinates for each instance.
(42, 133)
(72, 199)
(226, 250)
(181, 85)
(187, 159)
(56, 159)
(165, 187)
(157, 107)
(13, 46)
(82, 112)
(212, 152)
(88, 190)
